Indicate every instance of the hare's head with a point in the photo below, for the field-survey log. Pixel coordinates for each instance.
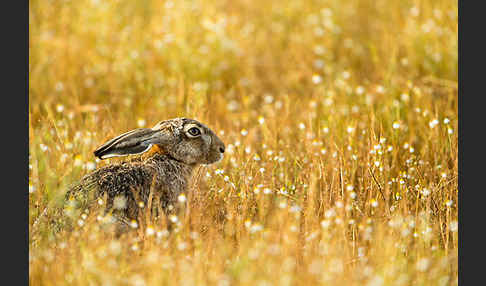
(183, 139)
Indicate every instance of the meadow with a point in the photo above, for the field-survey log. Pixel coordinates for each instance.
(340, 125)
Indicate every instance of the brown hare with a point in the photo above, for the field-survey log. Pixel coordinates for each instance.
(176, 147)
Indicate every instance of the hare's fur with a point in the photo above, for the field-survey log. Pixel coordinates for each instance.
(161, 175)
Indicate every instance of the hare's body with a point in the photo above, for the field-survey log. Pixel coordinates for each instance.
(166, 178)
(162, 175)
(132, 181)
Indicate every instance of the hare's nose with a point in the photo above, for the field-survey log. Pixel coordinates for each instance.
(221, 149)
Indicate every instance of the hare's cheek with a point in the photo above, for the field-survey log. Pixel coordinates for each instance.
(206, 140)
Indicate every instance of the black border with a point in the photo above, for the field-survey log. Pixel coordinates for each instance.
(471, 191)
(14, 25)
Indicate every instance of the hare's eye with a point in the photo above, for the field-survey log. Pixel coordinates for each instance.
(194, 131)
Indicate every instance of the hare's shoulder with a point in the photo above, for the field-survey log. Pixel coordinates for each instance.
(123, 174)
(158, 168)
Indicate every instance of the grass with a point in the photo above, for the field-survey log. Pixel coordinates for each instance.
(339, 119)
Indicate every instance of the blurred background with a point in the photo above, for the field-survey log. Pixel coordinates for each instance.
(167, 58)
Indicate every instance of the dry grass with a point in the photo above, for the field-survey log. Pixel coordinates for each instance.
(339, 117)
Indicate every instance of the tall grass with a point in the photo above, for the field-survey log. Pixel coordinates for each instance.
(339, 118)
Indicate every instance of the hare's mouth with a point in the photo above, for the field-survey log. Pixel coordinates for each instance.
(221, 156)
(213, 160)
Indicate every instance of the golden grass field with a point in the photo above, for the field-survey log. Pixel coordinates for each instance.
(339, 119)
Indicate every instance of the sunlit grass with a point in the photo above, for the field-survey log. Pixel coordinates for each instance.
(340, 125)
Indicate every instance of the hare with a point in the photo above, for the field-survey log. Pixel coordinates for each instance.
(176, 147)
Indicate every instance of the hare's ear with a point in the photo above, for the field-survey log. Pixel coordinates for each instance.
(133, 142)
